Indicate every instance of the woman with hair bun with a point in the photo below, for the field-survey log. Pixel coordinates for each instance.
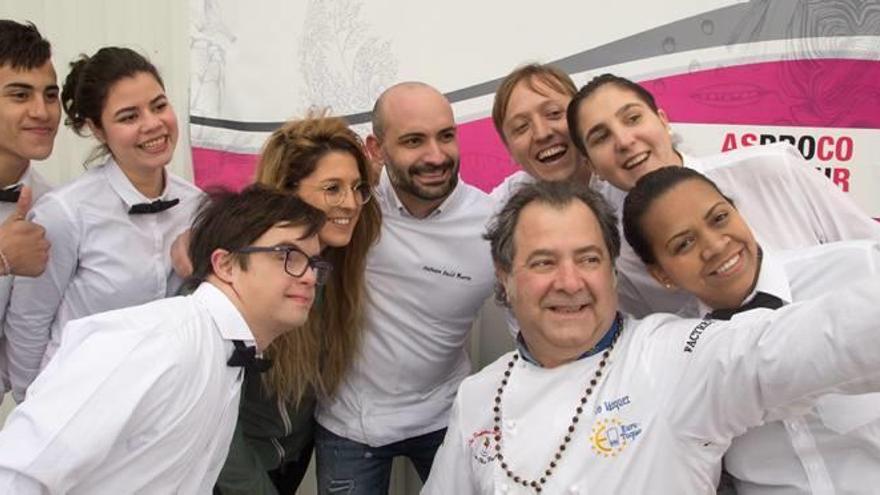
(112, 228)
(322, 161)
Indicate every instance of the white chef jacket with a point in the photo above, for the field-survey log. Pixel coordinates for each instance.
(426, 280)
(39, 186)
(137, 400)
(786, 202)
(101, 258)
(672, 397)
(834, 448)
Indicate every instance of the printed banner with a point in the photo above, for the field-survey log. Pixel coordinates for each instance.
(728, 74)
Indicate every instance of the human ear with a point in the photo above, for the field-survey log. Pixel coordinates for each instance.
(661, 276)
(223, 264)
(503, 278)
(96, 131)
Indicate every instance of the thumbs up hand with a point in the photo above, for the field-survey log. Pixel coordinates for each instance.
(23, 243)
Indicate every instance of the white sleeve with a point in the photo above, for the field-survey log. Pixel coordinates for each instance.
(34, 302)
(766, 365)
(451, 471)
(836, 216)
(92, 394)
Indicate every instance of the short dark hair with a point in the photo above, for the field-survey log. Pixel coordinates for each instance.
(590, 88)
(648, 188)
(554, 77)
(556, 194)
(22, 46)
(233, 220)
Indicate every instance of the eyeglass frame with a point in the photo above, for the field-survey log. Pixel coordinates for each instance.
(362, 185)
(321, 267)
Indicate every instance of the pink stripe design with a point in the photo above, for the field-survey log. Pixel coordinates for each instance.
(839, 93)
(214, 168)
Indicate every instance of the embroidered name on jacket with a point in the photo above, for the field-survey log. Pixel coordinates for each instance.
(446, 273)
(695, 334)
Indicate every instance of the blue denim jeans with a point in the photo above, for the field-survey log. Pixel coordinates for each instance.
(352, 468)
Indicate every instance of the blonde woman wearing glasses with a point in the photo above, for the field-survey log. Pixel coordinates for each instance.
(323, 162)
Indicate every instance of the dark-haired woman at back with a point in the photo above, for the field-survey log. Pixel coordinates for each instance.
(112, 228)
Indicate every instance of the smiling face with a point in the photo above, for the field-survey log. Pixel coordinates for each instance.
(138, 125)
(562, 285)
(419, 146)
(336, 170)
(701, 244)
(29, 114)
(623, 137)
(536, 131)
(271, 300)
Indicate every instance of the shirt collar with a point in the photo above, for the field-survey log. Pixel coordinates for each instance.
(392, 202)
(603, 343)
(124, 188)
(229, 321)
(693, 163)
(771, 280)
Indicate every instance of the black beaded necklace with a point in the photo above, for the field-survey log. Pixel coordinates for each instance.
(538, 484)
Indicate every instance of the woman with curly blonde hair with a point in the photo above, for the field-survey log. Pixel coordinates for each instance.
(322, 161)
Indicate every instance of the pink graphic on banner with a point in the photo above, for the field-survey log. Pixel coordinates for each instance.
(840, 93)
(484, 159)
(213, 168)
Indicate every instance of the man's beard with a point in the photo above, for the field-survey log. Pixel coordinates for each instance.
(405, 180)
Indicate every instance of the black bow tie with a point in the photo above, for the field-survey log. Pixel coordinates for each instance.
(761, 300)
(11, 194)
(154, 207)
(246, 357)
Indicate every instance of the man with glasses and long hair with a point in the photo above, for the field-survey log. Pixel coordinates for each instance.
(146, 398)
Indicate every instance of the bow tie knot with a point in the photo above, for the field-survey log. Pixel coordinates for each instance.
(761, 300)
(154, 207)
(246, 357)
(10, 194)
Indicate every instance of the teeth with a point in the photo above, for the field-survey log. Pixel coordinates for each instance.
(341, 221)
(568, 309)
(153, 143)
(636, 160)
(727, 265)
(552, 152)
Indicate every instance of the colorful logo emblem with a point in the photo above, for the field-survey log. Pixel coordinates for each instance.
(482, 444)
(611, 436)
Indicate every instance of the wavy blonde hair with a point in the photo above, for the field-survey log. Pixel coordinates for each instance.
(318, 355)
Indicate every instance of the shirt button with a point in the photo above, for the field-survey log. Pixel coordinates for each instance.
(503, 488)
(574, 489)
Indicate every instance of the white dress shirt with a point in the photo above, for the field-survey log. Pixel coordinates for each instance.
(835, 447)
(102, 258)
(673, 396)
(39, 186)
(503, 191)
(136, 400)
(785, 201)
(426, 280)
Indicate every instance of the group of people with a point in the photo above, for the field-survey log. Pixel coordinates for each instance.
(158, 339)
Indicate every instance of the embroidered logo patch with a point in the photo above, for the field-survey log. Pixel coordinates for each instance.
(610, 436)
(482, 444)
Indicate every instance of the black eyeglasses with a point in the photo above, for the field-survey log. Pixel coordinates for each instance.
(296, 262)
(335, 194)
